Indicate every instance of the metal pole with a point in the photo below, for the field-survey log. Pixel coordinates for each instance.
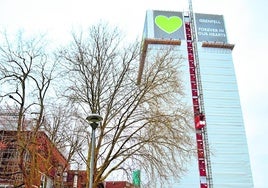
(94, 120)
(92, 157)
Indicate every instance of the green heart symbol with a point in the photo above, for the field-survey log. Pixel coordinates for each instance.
(169, 25)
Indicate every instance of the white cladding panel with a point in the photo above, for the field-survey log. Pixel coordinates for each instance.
(226, 133)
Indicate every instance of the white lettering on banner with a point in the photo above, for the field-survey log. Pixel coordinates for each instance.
(203, 33)
(210, 21)
(208, 29)
(214, 32)
(217, 34)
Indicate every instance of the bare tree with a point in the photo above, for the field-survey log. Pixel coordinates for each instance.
(26, 73)
(145, 126)
(65, 131)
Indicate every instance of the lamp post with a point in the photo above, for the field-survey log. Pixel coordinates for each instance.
(94, 120)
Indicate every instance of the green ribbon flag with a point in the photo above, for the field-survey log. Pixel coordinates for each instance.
(136, 178)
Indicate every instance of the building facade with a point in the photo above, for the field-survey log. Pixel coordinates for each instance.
(226, 137)
(29, 159)
(40, 164)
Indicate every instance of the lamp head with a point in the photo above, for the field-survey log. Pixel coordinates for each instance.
(94, 118)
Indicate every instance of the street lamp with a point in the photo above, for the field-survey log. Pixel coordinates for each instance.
(94, 120)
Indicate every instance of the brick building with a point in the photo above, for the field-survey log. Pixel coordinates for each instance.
(75, 179)
(28, 158)
(118, 184)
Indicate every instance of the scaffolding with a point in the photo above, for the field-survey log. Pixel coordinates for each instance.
(8, 119)
(9, 167)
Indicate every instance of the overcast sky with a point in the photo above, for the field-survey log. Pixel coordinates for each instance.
(245, 24)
